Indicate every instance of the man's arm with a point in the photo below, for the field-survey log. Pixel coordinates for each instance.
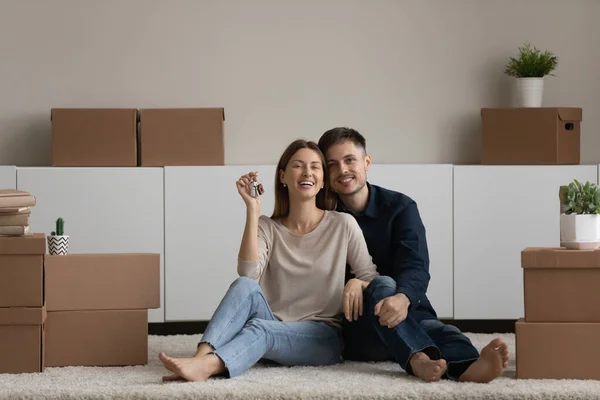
(410, 263)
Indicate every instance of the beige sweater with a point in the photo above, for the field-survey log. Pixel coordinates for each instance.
(303, 276)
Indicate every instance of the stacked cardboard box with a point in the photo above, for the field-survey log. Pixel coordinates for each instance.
(98, 308)
(15, 212)
(73, 310)
(558, 337)
(531, 135)
(128, 137)
(22, 307)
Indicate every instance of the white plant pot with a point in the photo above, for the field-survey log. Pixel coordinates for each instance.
(531, 91)
(580, 231)
(58, 245)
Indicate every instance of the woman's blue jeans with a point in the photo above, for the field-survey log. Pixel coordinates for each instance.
(243, 331)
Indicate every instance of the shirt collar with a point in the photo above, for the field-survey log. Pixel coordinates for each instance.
(371, 209)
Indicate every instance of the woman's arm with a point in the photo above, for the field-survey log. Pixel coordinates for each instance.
(254, 250)
(361, 262)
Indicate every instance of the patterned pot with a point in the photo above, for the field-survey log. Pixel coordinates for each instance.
(58, 245)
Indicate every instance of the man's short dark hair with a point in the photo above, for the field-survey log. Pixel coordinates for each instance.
(339, 135)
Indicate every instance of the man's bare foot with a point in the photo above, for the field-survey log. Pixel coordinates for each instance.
(427, 369)
(202, 350)
(194, 369)
(489, 366)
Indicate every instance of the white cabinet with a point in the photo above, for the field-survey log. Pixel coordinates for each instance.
(8, 177)
(106, 210)
(499, 211)
(204, 222)
(431, 187)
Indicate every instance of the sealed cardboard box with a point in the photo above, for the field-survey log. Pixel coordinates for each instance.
(105, 281)
(22, 340)
(531, 136)
(181, 136)
(21, 280)
(94, 137)
(557, 350)
(34, 243)
(561, 285)
(97, 338)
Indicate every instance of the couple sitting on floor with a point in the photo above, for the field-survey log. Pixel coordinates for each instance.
(296, 303)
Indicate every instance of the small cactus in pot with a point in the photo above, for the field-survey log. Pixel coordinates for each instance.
(58, 242)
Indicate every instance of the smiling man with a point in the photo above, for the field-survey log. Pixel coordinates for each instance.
(398, 321)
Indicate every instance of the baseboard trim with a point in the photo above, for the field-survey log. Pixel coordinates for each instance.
(470, 325)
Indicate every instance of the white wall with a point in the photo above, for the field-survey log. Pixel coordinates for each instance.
(411, 75)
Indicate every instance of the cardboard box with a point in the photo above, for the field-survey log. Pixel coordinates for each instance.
(97, 338)
(29, 244)
(21, 280)
(555, 350)
(561, 285)
(94, 137)
(22, 340)
(120, 281)
(181, 136)
(531, 136)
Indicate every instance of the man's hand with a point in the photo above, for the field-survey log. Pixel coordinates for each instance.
(353, 298)
(392, 310)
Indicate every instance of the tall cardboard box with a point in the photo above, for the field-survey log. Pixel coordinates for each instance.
(531, 136)
(94, 137)
(22, 340)
(98, 308)
(557, 338)
(181, 136)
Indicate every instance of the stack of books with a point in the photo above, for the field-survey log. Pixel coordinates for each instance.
(15, 212)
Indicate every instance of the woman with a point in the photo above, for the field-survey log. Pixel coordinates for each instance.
(288, 304)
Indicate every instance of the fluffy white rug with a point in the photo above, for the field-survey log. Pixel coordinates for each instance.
(347, 380)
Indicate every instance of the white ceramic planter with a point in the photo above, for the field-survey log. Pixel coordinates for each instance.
(581, 232)
(58, 245)
(531, 91)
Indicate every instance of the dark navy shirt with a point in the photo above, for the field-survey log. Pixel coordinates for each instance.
(396, 238)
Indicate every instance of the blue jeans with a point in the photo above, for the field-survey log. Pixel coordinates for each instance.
(367, 340)
(243, 331)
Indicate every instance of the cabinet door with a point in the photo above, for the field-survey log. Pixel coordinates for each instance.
(8, 177)
(431, 187)
(204, 222)
(499, 211)
(106, 210)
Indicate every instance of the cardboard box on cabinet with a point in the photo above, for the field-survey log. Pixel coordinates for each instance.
(94, 137)
(181, 136)
(531, 136)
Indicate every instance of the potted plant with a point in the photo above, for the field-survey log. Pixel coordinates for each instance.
(580, 216)
(530, 68)
(58, 242)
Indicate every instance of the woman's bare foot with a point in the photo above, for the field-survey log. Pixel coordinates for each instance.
(489, 366)
(195, 369)
(202, 350)
(427, 369)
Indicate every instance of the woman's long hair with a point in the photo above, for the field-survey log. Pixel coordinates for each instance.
(325, 198)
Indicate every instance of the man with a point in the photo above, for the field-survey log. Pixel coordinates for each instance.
(398, 322)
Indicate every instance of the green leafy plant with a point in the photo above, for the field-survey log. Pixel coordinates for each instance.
(531, 63)
(60, 228)
(578, 198)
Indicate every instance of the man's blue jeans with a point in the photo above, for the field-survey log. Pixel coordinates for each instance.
(243, 330)
(368, 340)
